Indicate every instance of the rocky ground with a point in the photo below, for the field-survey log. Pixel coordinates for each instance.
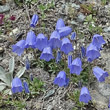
(74, 13)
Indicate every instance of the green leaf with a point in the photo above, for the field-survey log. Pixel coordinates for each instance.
(49, 93)
(2, 86)
(11, 65)
(2, 71)
(7, 91)
(21, 72)
(9, 79)
(3, 75)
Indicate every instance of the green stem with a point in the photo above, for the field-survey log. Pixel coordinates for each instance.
(35, 55)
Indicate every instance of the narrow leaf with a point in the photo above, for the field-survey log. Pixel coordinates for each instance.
(2, 71)
(21, 72)
(2, 86)
(11, 65)
(7, 91)
(8, 79)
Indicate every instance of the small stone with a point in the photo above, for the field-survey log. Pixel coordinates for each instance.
(1, 50)
(107, 29)
(104, 89)
(14, 31)
(81, 17)
(3, 38)
(74, 23)
(75, 6)
(38, 105)
(4, 8)
(50, 107)
(100, 102)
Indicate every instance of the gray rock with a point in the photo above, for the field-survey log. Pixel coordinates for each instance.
(75, 6)
(104, 89)
(81, 17)
(3, 38)
(107, 29)
(74, 23)
(1, 50)
(106, 58)
(99, 101)
(50, 107)
(4, 8)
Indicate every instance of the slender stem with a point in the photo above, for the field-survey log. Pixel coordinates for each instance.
(35, 55)
(89, 79)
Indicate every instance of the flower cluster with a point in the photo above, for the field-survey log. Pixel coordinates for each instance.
(59, 40)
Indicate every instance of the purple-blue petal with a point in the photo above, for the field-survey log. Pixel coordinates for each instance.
(16, 85)
(30, 40)
(60, 23)
(34, 20)
(19, 47)
(84, 95)
(41, 42)
(64, 31)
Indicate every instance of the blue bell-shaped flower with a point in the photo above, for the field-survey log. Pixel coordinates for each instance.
(47, 54)
(61, 79)
(19, 47)
(55, 41)
(41, 41)
(16, 85)
(66, 46)
(34, 20)
(84, 95)
(30, 40)
(76, 66)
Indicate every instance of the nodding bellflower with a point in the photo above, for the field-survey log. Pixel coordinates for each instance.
(100, 74)
(58, 58)
(41, 41)
(73, 36)
(84, 95)
(19, 47)
(60, 23)
(47, 54)
(61, 79)
(27, 64)
(26, 88)
(16, 85)
(92, 53)
(55, 41)
(34, 20)
(83, 52)
(69, 60)
(76, 66)
(64, 31)
(66, 46)
(98, 41)
(30, 40)
(31, 77)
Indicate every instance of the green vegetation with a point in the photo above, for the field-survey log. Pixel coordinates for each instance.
(75, 97)
(51, 67)
(92, 26)
(36, 86)
(9, 103)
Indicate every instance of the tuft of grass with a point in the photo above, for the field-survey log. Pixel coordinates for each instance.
(83, 77)
(51, 67)
(36, 86)
(75, 97)
(11, 103)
